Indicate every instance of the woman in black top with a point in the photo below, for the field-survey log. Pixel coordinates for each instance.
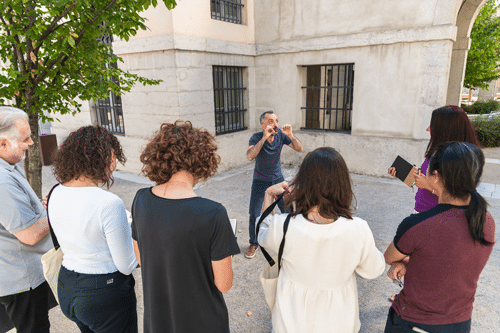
(183, 242)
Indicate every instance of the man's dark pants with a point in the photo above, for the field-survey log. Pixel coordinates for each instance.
(396, 324)
(259, 188)
(29, 310)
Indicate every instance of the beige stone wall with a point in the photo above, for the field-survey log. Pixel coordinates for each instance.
(401, 51)
(193, 18)
(283, 20)
(395, 86)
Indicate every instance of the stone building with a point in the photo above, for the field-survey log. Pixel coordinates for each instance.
(359, 75)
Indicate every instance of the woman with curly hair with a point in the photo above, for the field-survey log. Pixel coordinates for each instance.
(325, 246)
(96, 287)
(183, 242)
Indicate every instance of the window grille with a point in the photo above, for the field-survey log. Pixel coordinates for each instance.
(227, 10)
(229, 99)
(109, 112)
(329, 93)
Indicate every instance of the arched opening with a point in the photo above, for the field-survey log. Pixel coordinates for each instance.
(465, 19)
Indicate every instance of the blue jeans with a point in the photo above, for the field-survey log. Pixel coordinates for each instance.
(396, 324)
(98, 302)
(259, 188)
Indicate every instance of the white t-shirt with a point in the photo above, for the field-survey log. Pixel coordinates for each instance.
(92, 229)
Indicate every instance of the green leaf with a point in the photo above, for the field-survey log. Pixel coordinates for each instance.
(71, 41)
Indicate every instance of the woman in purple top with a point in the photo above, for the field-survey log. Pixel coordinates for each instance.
(448, 123)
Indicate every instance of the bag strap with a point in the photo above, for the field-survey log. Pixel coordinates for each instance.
(282, 245)
(262, 217)
(52, 234)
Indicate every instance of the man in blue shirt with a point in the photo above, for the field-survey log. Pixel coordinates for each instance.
(24, 293)
(265, 148)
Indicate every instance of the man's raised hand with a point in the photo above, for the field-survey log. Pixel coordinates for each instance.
(287, 130)
(268, 131)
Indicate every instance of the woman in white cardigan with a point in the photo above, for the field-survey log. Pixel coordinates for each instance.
(325, 246)
(96, 287)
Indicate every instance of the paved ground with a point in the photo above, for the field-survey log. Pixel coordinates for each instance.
(383, 202)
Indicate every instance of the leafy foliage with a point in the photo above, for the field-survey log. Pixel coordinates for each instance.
(52, 54)
(52, 57)
(488, 130)
(483, 60)
(482, 107)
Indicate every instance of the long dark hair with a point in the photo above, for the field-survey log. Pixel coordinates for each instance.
(461, 165)
(450, 123)
(323, 180)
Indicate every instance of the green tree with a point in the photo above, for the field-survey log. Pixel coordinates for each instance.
(53, 58)
(483, 60)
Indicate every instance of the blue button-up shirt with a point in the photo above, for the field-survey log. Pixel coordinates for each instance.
(20, 264)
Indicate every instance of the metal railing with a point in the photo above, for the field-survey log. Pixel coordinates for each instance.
(229, 99)
(329, 94)
(227, 10)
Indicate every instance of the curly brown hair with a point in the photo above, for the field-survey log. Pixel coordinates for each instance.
(87, 152)
(322, 180)
(180, 147)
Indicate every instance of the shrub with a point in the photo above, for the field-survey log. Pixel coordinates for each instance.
(487, 130)
(482, 107)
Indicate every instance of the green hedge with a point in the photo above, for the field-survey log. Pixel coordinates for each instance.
(487, 130)
(482, 107)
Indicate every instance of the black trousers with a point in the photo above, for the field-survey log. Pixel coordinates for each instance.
(99, 302)
(396, 324)
(29, 311)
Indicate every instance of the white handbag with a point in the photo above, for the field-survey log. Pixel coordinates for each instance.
(269, 275)
(269, 281)
(52, 259)
(51, 262)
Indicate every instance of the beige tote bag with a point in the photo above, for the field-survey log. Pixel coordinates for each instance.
(52, 259)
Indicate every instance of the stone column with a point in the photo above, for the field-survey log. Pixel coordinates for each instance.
(457, 70)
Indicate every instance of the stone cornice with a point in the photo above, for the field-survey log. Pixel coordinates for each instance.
(187, 43)
(442, 32)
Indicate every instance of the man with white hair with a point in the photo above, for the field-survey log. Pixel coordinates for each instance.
(23, 231)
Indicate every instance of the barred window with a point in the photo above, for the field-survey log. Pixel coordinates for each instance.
(108, 112)
(229, 99)
(329, 94)
(226, 10)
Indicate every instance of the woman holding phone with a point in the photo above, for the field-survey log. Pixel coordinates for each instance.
(448, 123)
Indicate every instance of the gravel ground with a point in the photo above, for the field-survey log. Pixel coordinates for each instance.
(382, 202)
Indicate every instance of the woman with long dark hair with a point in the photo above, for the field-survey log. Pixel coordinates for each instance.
(449, 246)
(325, 246)
(448, 123)
(96, 287)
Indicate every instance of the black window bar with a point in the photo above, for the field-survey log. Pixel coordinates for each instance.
(229, 99)
(329, 94)
(226, 10)
(109, 112)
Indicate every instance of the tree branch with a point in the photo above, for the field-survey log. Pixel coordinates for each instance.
(52, 26)
(77, 42)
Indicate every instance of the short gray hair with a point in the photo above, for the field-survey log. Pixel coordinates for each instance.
(8, 117)
(263, 116)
